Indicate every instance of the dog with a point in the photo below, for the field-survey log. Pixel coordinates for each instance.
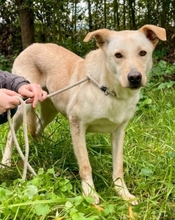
(120, 64)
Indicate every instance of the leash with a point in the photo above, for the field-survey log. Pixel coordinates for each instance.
(24, 158)
(23, 103)
(67, 88)
(105, 89)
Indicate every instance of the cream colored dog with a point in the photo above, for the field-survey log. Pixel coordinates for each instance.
(120, 66)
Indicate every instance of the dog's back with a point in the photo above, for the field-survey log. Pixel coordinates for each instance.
(38, 60)
(51, 66)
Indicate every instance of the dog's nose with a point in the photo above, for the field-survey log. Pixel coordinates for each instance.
(135, 79)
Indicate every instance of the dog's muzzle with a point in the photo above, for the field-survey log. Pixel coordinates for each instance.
(135, 79)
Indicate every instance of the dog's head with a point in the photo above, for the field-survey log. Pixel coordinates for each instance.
(129, 53)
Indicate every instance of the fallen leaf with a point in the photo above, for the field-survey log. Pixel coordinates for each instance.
(132, 215)
(99, 208)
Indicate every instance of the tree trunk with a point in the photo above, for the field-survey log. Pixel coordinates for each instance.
(124, 14)
(116, 14)
(165, 13)
(132, 14)
(26, 22)
(149, 12)
(105, 14)
(90, 15)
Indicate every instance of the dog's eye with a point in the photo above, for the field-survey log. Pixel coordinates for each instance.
(142, 53)
(118, 55)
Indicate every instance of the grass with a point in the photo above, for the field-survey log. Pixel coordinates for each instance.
(149, 162)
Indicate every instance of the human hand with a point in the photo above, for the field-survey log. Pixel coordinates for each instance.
(8, 100)
(34, 92)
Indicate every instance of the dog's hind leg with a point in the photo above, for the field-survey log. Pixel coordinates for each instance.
(47, 113)
(17, 121)
(80, 150)
(117, 138)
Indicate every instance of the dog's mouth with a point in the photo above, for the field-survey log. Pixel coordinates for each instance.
(134, 87)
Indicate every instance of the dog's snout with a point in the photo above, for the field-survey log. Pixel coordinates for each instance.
(135, 79)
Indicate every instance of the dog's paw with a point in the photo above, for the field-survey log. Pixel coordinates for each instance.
(123, 192)
(128, 197)
(94, 196)
(5, 163)
(89, 190)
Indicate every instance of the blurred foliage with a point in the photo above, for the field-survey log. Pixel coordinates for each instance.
(67, 22)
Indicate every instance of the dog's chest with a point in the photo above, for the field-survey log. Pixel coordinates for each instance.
(110, 115)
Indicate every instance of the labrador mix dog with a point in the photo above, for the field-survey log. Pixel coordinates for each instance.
(120, 65)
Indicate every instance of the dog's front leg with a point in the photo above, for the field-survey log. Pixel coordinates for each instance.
(117, 138)
(78, 137)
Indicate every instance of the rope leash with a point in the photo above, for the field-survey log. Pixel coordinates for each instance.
(68, 87)
(24, 158)
(105, 89)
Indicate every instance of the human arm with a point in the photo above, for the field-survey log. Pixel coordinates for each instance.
(11, 81)
(20, 86)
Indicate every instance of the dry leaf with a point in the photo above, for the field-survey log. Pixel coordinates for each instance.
(132, 215)
(99, 208)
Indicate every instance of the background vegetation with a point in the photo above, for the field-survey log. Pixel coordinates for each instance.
(149, 153)
(23, 22)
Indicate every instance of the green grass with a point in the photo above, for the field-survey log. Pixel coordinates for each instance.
(149, 162)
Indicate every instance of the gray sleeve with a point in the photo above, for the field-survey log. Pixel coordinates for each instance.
(11, 81)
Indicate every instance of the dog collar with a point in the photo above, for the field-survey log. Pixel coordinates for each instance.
(104, 89)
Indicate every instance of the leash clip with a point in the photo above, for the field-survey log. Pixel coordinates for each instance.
(107, 91)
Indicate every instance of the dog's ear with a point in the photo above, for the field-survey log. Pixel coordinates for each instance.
(101, 36)
(153, 33)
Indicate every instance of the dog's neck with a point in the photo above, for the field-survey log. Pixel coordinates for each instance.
(103, 88)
